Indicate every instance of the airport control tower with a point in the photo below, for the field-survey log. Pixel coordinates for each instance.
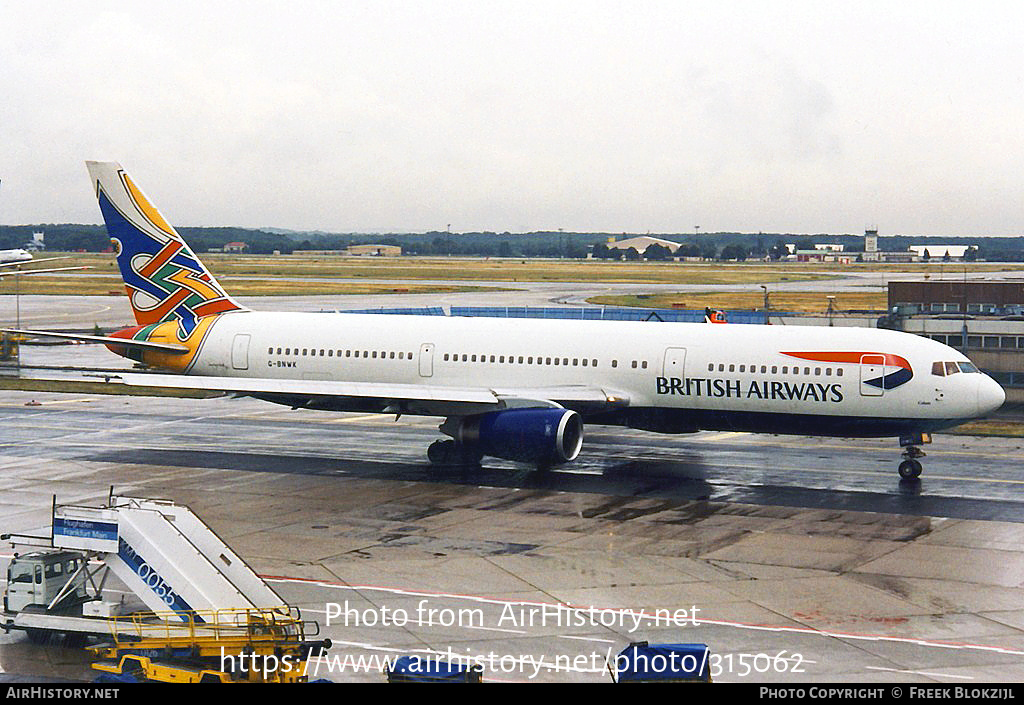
(871, 245)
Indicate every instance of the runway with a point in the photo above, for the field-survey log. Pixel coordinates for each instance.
(802, 560)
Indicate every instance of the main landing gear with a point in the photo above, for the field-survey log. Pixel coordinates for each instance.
(449, 453)
(910, 468)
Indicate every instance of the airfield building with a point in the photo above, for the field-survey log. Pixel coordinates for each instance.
(983, 319)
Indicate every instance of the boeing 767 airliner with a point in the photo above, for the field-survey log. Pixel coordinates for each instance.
(522, 389)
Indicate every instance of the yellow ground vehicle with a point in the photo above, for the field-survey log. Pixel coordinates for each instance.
(227, 646)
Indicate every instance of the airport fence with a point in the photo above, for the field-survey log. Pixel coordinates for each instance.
(427, 311)
(576, 313)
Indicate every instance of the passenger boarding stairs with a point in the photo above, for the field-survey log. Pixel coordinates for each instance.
(165, 555)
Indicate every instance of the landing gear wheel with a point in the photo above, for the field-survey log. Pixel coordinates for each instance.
(910, 469)
(441, 452)
(450, 454)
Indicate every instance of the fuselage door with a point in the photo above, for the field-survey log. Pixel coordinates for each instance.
(427, 360)
(872, 375)
(240, 351)
(675, 363)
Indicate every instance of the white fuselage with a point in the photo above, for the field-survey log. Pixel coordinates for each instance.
(12, 256)
(724, 376)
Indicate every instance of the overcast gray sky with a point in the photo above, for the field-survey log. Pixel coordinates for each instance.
(593, 115)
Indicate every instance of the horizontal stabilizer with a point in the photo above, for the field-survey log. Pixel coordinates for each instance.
(106, 340)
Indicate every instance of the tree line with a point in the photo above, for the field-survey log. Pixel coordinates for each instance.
(710, 246)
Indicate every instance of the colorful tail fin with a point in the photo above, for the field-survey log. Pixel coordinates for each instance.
(164, 280)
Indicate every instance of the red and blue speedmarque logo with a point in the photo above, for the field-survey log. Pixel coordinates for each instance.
(902, 374)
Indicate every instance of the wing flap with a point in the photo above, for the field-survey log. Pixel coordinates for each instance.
(313, 388)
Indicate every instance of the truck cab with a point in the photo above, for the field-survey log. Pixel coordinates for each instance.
(41, 578)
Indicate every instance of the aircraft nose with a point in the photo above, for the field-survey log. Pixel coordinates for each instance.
(990, 395)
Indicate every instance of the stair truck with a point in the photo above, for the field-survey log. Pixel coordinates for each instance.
(205, 615)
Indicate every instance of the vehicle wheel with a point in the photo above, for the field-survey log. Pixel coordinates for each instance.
(75, 640)
(38, 636)
(910, 469)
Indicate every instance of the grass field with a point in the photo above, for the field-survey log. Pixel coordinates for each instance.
(271, 286)
(467, 269)
(470, 269)
(311, 275)
(990, 427)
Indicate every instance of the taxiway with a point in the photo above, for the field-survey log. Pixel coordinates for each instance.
(801, 560)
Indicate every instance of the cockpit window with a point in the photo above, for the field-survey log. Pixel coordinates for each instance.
(944, 369)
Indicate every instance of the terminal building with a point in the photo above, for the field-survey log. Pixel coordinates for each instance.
(984, 320)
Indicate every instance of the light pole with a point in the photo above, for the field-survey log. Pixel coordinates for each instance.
(766, 321)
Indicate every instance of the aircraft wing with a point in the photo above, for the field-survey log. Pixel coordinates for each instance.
(395, 398)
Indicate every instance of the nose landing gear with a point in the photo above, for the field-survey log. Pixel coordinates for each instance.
(910, 468)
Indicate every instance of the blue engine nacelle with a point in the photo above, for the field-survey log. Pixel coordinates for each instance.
(541, 436)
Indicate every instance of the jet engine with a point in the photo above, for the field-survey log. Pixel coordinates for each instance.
(541, 436)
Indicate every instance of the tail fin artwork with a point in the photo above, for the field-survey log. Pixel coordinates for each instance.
(164, 280)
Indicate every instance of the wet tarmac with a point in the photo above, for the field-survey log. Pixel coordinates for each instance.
(802, 560)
